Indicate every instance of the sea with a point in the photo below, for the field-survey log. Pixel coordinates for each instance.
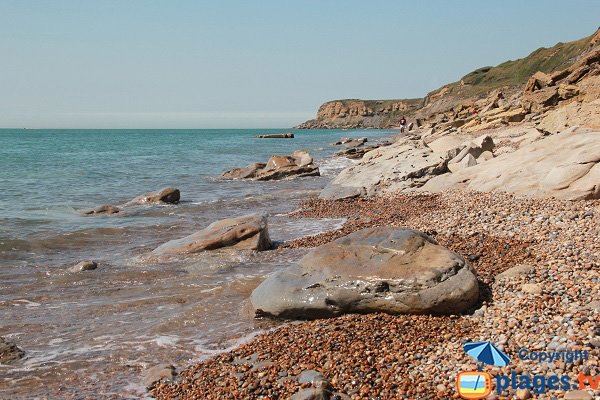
(92, 334)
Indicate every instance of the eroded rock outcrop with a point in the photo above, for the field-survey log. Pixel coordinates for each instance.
(564, 166)
(298, 164)
(404, 164)
(249, 232)
(355, 113)
(384, 269)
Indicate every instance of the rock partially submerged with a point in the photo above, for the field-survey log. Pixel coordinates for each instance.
(9, 352)
(86, 265)
(155, 374)
(405, 164)
(248, 232)
(287, 135)
(167, 195)
(107, 209)
(384, 269)
(564, 166)
(298, 164)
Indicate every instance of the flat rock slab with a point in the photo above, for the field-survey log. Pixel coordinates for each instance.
(276, 136)
(397, 271)
(404, 164)
(248, 232)
(564, 166)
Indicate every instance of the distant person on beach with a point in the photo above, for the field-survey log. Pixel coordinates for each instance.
(402, 124)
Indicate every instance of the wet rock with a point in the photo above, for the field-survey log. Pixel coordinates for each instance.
(346, 276)
(359, 151)
(244, 173)
(9, 352)
(298, 164)
(154, 374)
(103, 209)
(86, 265)
(167, 195)
(351, 142)
(248, 232)
(287, 135)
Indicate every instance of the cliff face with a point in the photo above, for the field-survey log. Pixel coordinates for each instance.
(361, 114)
(471, 91)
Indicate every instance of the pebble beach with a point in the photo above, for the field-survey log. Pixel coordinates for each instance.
(549, 303)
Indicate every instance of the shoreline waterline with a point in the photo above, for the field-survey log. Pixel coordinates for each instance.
(94, 332)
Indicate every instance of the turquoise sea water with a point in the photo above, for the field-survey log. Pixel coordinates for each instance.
(92, 333)
(47, 175)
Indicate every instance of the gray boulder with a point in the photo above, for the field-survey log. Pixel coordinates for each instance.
(383, 269)
(248, 232)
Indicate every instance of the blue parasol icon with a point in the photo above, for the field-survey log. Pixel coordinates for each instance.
(487, 353)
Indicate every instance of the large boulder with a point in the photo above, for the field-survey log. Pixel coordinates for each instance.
(298, 164)
(248, 232)
(167, 195)
(404, 164)
(384, 269)
(564, 166)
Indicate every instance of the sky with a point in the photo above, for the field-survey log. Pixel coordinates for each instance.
(251, 64)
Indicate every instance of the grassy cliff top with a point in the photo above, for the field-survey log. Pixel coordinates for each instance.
(516, 72)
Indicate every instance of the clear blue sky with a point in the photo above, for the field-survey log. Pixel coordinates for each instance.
(271, 63)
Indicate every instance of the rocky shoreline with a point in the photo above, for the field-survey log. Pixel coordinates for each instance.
(407, 356)
(505, 190)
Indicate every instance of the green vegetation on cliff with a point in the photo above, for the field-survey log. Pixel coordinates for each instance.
(515, 73)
